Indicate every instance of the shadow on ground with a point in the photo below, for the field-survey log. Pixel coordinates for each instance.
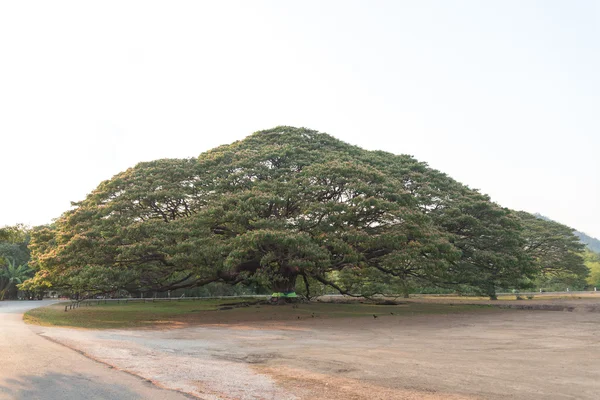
(60, 386)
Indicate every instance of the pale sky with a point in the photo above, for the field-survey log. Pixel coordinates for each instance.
(501, 95)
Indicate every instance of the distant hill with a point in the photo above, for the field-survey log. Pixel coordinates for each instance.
(592, 243)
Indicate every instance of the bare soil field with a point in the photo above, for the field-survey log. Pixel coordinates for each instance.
(579, 303)
(481, 353)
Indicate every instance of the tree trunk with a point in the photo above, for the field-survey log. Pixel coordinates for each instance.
(285, 284)
(405, 290)
(13, 292)
(307, 285)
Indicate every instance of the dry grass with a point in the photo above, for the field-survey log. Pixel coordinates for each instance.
(175, 314)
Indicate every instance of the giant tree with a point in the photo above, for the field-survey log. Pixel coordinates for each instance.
(280, 205)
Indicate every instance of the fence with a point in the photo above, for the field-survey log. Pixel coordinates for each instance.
(568, 292)
(90, 302)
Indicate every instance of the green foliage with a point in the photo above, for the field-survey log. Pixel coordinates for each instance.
(282, 204)
(491, 245)
(592, 262)
(18, 252)
(591, 243)
(479, 243)
(556, 252)
(14, 234)
(14, 256)
(14, 242)
(11, 276)
(559, 283)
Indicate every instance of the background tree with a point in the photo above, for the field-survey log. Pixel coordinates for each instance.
(10, 277)
(592, 262)
(14, 256)
(14, 241)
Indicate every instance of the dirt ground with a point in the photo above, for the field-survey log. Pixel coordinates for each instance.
(488, 354)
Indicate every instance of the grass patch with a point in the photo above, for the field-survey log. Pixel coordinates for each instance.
(157, 314)
(123, 315)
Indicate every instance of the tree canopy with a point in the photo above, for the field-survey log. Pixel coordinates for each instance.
(280, 205)
(556, 251)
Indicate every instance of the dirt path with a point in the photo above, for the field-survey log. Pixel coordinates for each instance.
(496, 355)
(35, 368)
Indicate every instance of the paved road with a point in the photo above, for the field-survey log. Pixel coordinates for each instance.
(32, 367)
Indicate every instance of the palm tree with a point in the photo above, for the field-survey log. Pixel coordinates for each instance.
(11, 276)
